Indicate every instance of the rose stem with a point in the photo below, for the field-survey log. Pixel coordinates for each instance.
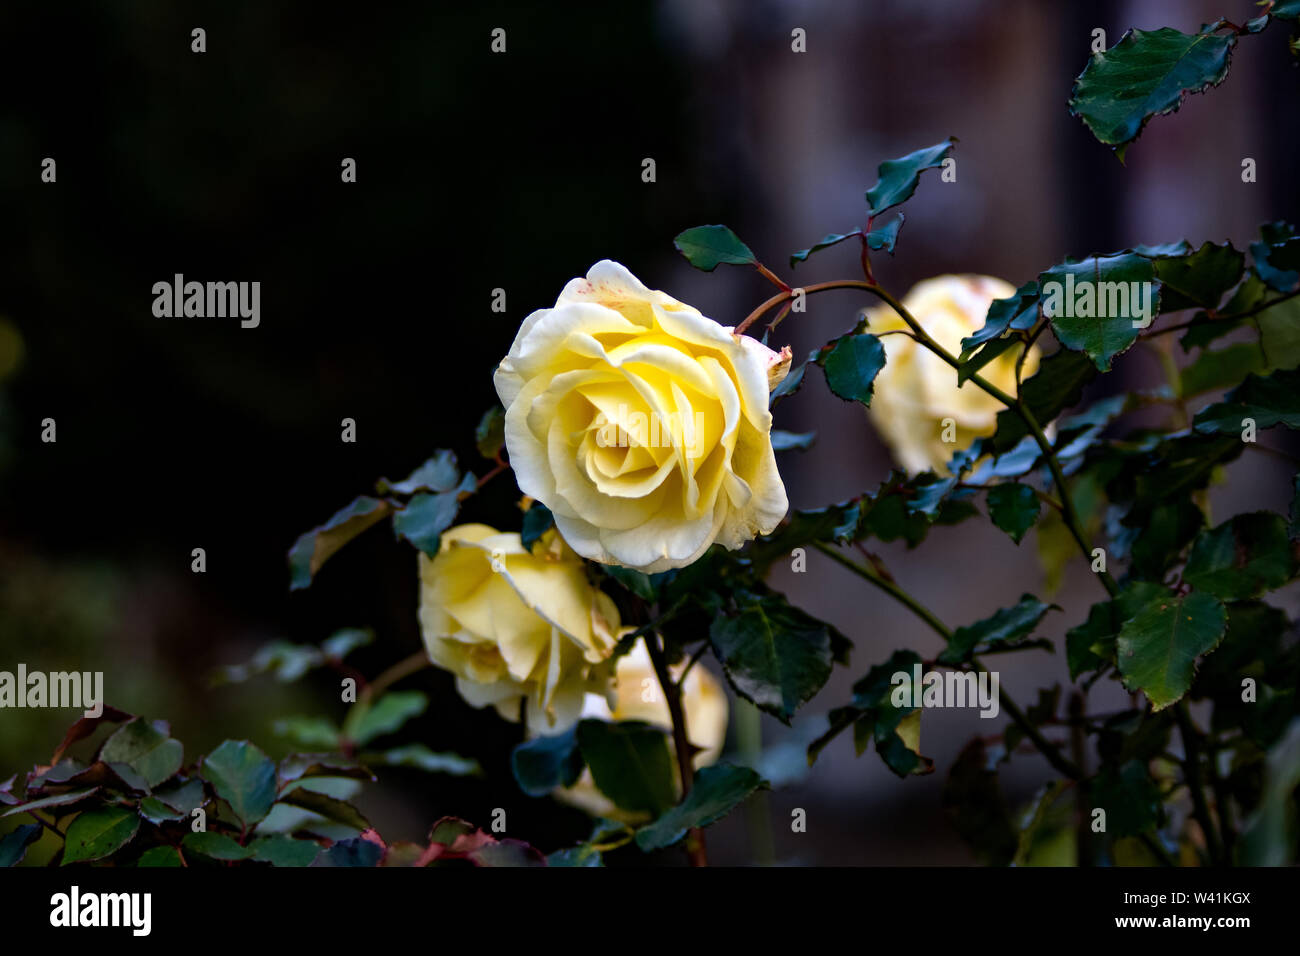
(695, 849)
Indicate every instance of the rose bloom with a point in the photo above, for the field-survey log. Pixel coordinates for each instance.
(637, 696)
(514, 626)
(642, 424)
(917, 390)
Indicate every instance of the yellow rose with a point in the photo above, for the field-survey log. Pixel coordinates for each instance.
(516, 626)
(917, 390)
(642, 424)
(637, 696)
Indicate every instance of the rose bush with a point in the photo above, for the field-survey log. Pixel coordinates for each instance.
(643, 427)
(641, 424)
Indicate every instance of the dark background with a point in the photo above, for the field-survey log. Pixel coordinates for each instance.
(518, 171)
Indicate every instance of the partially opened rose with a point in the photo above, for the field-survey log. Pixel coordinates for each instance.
(917, 390)
(516, 627)
(642, 424)
(637, 696)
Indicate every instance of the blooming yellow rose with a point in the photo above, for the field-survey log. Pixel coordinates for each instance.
(917, 390)
(516, 626)
(637, 696)
(642, 424)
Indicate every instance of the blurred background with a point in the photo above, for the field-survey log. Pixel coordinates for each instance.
(478, 171)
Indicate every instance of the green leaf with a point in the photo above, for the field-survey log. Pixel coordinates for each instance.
(159, 856)
(1277, 256)
(1017, 311)
(787, 441)
(1092, 644)
(883, 238)
(506, 853)
(365, 722)
(1286, 10)
(156, 812)
(1205, 328)
(544, 763)
(716, 792)
(1129, 796)
(353, 852)
(774, 654)
(299, 766)
(14, 844)
(1163, 250)
(852, 365)
(490, 435)
(1056, 386)
(96, 834)
(57, 800)
(183, 797)
(243, 776)
(318, 545)
(1269, 401)
(215, 846)
(1199, 280)
(630, 763)
(114, 776)
(886, 236)
(537, 521)
(1099, 305)
(899, 177)
(308, 731)
(825, 242)
(155, 756)
(426, 516)
(283, 659)
(1218, 369)
(1241, 558)
(1157, 649)
(346, 640)
(1014, 508)
(421, 757)
(1007, 626)
(331, 808)
(637, 582)
(874, 717)
(1146, 74)
(281, 850)
(584, 855)
(439, 473)
(1171, 527)
(707, 247)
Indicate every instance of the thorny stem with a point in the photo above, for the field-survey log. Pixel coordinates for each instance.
(1045, 747)
(403, 668)
(1068, 512)
(499, 467)
(695, 849)
(1192, 771)
(1246, 314)
(45, 823)
(772, 277)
